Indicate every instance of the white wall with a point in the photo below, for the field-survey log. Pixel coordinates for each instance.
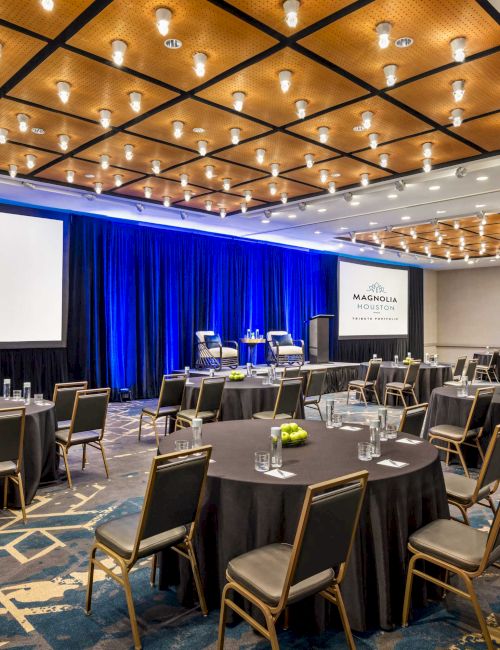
(430, 311)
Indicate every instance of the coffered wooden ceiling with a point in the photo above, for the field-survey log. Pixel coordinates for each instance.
(336, 65)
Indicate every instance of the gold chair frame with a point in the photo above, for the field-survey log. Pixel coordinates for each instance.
(184, 549)
(457, 443)
(332, 594)
(314, 403)
(482, 369)
(97, 444)
(182, 423)
(361, 389)
(157, 416)
(80, 385)
(283, 382)
(399, 392)
(409, 409)
(16, 478)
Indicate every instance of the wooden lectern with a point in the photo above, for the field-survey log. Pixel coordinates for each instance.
(319, 338)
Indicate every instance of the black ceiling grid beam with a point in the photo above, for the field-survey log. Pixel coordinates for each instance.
(480, 116)
(383, 95)
(51, 110)
(400, 139)
(150, 138)
(490, 9)
(87, 14)
(23, 30)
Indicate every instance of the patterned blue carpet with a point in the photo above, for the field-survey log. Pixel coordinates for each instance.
(43, 573)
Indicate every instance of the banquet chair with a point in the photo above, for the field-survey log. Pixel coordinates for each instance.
(489, 371)
(287, 401)
(283, 349)
(64, 401)
(369, 383)
(168, 520)
(413, 418)
(470, 374)
(470, 435)
(459, 549)
(275, 576)
(399, 388)
(458, 370)
(12, 423)
(208, 404)
(464, 492)
(169, 403)
(291, 372)
(212, 352)
(315, 386)
(86, 426)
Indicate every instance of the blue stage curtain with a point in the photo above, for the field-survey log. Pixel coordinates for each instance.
(138, 294)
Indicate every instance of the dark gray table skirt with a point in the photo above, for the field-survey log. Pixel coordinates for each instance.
(337, 378)
(40, 454)
(244, 510)
(429, 377)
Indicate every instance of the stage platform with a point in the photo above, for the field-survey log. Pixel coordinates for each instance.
(337, 376)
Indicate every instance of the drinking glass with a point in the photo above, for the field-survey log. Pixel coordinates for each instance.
(427, 357)
(249, 369)
(337, 420)
(396, 359)
(248, 333)
(196, 428)
(408, 355)
(330, 411)
(211, 372)
(276, 447)
(392, 431)
(182, 445)
(6, 388)
(365, 451)
(273, 373)
(382, 417)
(375, 355)
(436, 357)
(17, 395)
(38, 397)
(375, 440)
(187, 370)
(262, 461)
(27, 392)
(257, 334)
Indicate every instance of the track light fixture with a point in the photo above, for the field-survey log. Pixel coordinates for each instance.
(247, 195)
(458, 46)
(366, 119)
(323, 175)
(243, 208)
(184, 180)
(128, 150)
(383, 30)
(163, 18)
(373, 139)
(30, 160)
(309, 158)
(222, 212)
(98, 188)
(177, 128)
(105, 118)
(202, 147)
(209, 171)
(200, 61)
(285, 78)
(118, 49)
(238, 100)
(23, 121)
(156, 167)
(260, 154)
(273, 188)
(70, 176)
(118, 178)
(332, 187)
(384, 160)
(456, 116)
(63, 90)
(461, 172)
(235, 135)
(167, 201)
(324, 134)
(390, 72)
(284, 197)
(148, 192)
(364, 179)
(12, 171)
(208, 205)
(187, 195)
(135, 101)
(458, 89)
(301, 107)
(226, 184)
(291, 8)
(275, 169)
(104, 161)
(63, 141)
(4, 134)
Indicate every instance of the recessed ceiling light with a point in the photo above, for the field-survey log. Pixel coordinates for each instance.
(440, 211)
(405, 218)
(292, 216)
(481, 178)
(336, 175)
(358, 127)
(481, 205)
(392, 196)
(361, 250)
(354, 203)
(89, 175)
(321, 209)
(404, 41)
(373, 223)
(198, 129)
(173, 43)
(38, 130)
(433, 188)
(343, 227)
(317, 232)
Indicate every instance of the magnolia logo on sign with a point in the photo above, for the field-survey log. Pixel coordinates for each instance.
(375, 293)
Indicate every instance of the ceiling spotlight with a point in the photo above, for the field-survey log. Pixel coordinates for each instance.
(209, 171)
(235, 135)
(226, 184)
(364, 179)
(3, 136)
(284, 197)
(105, 118)
(70, 176)
(275, 169)
(427, 150)
(456, 225)
(458, 89)
(135, 101)
(118, 178)
(323, 175)
(23, 121)
(302, 206)
(163, 18)
(456, 116)
(309, 158)
(12, 171)
(373, 138)
(104, 160)
(348, 197)
(400, 185)
(187, 195)
(427, 165)
(243, 208)
(30, 160)
(384, 160)
(208, 205)
(260, 155)
(301, 106)
(273, 188)
(331, 187)
(48, 5)
(291, 8)
(390, 74)
(200, 60)
(63, 90)
(166, 201)
(238, 100)
(202, 147)
(63, 141)
(222, 212)
(285, 77)
(156, 166)
(118, 49)
(352, 235)
(458, 49)
(366, 119)
(466, 258)
(265, 219)
(324, 134)
(460, 172)
(247, 195)
(183, 215)
(128, 150)
(383, 30)
(177, 128)
(139, 207)
(98, 188)
(184, 180)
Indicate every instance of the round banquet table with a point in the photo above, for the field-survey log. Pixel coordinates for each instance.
(40, 454)
(240, 399)
(429, 377)
(244, 509)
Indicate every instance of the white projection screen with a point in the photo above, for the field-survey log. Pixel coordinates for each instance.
(373, 300)
(32, 281)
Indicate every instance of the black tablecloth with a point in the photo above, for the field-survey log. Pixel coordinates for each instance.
(244, 509)
(241, 399)
(40, 455)
(429, 377)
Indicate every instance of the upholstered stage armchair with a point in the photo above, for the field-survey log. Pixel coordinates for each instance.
(211, 352)
(282, 349)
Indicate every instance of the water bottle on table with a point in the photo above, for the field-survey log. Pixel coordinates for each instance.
(276, 447)
(6, 388)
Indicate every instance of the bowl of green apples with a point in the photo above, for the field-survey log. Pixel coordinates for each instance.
(292, 435)
(236, 375)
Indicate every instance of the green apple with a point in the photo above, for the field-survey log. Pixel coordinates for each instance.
(285, 437)
(295, 436)
(294, 427)
(286, 428)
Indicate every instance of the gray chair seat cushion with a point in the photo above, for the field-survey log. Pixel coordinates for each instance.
(269, 415)
(399, 385)
(190, 414)
(63, 424)
(119, 535)
(451, 432)
(263, 572)
(460, 488)
(7, 467)
(77, 438)
(165, 410)
(361, 383)
(453, 542)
